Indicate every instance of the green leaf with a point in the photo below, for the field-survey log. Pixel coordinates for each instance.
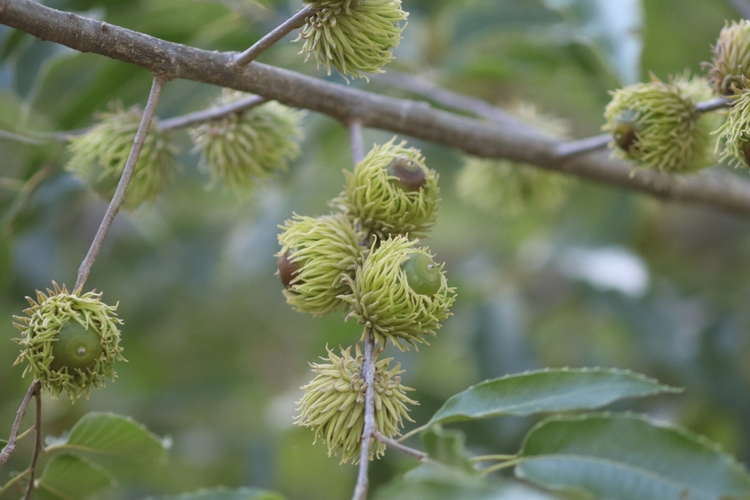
(69, 477)
(225, 494)
(547, 391)
(628, 457)
(109, 435)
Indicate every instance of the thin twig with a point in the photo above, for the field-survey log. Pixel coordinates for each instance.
(357, 141)
(274, 36)
(713, 104)
(119, 197)
(503, 465)
(37, 444)
(492, 458)
(10, 447)
(451, 99)
(368, 374)
(419, 455)
(742, 7)
(24, 139)
(13, 481)
(211, 113)
(412, 432)
(572, 148)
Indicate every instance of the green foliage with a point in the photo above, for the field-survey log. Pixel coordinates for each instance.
(550, 390)
(109, 435)
(224, 494)
(625, 457)
(68, 476)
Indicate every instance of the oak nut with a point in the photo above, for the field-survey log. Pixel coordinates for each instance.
(245, 149)
(394, 293)
(730, 67)
(334, 401)
(100, 154)
(70, 341)
(391, 192)
(656, 124)
(355, 37)
(316, 253)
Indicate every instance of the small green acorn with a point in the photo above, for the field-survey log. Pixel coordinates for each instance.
(657, 125)
(245, 149)
(353, 36)
(400, 293)
(730, 67)
(316, 253)
(391, 192)
(70, 341)
(333, 403)
(100, 154)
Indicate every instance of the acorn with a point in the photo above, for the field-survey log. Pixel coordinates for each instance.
(656, 124)
(355, 37)
(391, 192)
(625, 130)
(406, 174)
(70, 341)
(333, 403)
(100, 154)
(76, 347)
(287, 269)
(730, 67)
(422, 273)
(315, 255)
(400, 293)
(244, 150)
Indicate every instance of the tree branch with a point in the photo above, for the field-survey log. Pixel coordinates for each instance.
(274, 36)
(715, 188)
(119, 197)
(211, 113)
(391, 443)
(369, 429)
(37, 444)
(10, 447)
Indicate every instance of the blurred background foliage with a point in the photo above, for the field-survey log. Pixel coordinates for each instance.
(216, 357)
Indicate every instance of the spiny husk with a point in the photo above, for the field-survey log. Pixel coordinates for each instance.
(245, 149)
(41, 325)
(734, 134)
(382, 299)
(334, 402)
(730, 67)
(507, 187)
(355, 37)
(327, 249)
(371, 199)
(669, 133)
(100, 155)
